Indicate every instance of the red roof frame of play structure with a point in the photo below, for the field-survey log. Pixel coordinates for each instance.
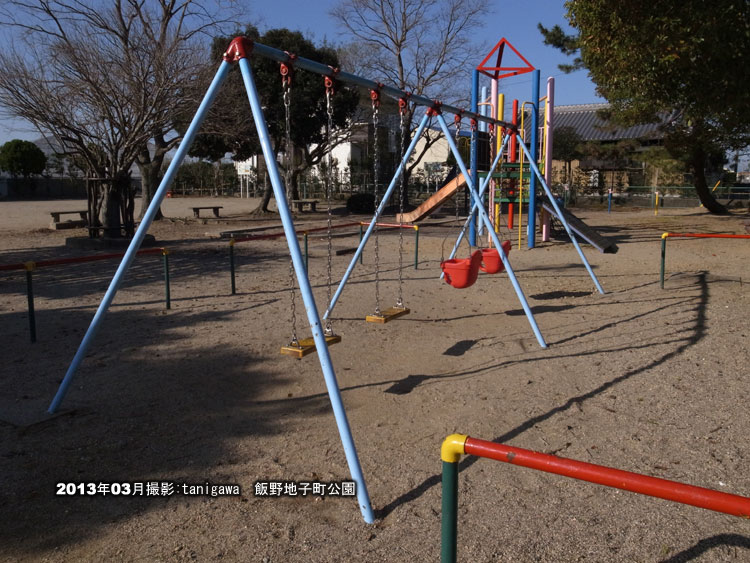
(494, 71)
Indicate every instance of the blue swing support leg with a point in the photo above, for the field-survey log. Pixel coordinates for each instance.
(298, 261)
(140, 234)
(561, 217)
(488, 225)
(334, 392)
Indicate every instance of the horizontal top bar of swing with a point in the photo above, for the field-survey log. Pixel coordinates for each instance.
(325, 70)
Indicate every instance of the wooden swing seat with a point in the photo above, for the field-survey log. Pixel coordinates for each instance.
(388, 315)
(306, 346)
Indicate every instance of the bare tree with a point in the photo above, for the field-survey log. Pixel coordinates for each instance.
(229, 126)
(105, 79)
(420, 46)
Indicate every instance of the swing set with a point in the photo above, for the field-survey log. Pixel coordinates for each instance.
(239, 51)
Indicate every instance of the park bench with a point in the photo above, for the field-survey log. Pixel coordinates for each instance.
(301, 203)
(197, 210)
(70, 223)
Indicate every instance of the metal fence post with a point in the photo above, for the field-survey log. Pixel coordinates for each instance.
(231, 264)
(29, 267)
(167, 293)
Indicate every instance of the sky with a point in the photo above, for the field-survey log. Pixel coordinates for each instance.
(515, 21)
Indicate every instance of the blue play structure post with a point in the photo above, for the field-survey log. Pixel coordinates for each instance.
(485, 219)
(474, 156)
(378, 212)
(135, 244)
(531, 217)
(561, 217)
(334, 394)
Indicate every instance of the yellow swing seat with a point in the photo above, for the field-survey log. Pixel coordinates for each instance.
(306, 346)
(388, 315)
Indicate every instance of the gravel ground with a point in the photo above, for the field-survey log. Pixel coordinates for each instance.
(643, 379)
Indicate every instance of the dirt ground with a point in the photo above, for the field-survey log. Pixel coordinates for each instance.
(643, 379)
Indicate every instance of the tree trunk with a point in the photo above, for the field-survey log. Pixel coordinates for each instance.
(150, 169)
(262, 209)
(697, 165)
(295, 184)
(116, 212)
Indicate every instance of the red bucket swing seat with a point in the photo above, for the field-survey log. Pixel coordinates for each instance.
(463, 272)
(491, 261)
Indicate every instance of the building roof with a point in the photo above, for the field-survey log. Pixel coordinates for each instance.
(586, 121)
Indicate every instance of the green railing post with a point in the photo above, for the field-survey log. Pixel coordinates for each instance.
(416, 246)
(449, 522)
(29, 266)
(231, 264)
(167, 293)
(663, 256)
(450, 452)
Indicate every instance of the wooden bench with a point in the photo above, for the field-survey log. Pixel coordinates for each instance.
(197, 210)
(301, 203)
(70, 223)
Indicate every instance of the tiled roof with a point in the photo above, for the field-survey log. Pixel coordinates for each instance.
(591, 127)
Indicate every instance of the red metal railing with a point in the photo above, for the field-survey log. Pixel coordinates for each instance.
(74, 260)
(457, 444)
(30, 266)
(617, 478)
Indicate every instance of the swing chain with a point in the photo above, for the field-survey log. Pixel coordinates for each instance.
(286, 86)
(288, 140)
(403, 108)
(329, 130)
(375, 97)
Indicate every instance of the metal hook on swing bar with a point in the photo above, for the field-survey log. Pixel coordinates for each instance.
(330, 80)
(286, 69)
(375, 95)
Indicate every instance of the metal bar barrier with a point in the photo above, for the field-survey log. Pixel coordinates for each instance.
(30, 266)
(665, 236)
(456, 445)
(76, 259)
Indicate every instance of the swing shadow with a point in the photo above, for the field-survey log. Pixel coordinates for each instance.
(707, 544)
(539, 309)
(697, 334)
(413, 319)
(185, 408)
(401, 385)
(550, 295)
